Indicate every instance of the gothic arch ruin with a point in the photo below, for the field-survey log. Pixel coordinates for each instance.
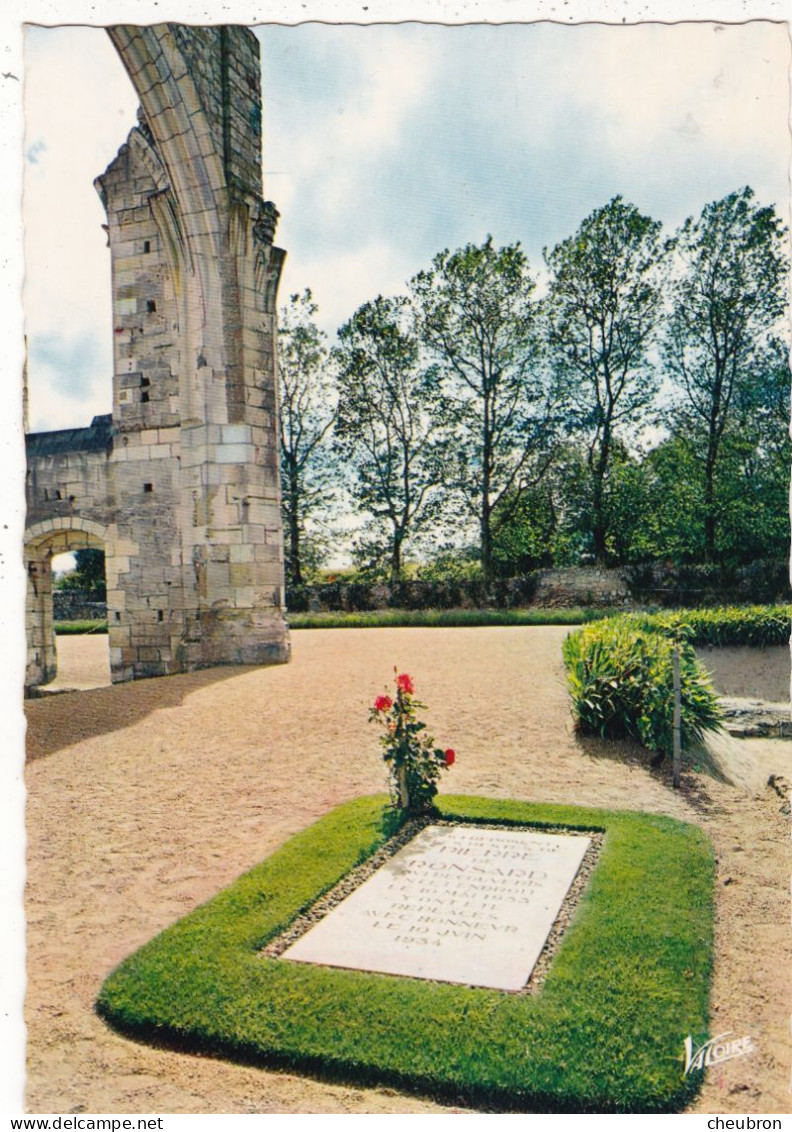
(180, 482)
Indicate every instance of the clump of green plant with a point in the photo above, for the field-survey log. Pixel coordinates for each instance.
(755, 625)
(621, 681)
(414, 762)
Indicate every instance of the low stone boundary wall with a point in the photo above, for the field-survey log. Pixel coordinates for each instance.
(628, 587)
(763, 582)
(77, 605)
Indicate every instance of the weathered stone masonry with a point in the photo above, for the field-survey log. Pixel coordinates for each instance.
(180, 487)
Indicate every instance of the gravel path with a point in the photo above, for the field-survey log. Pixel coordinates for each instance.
(145, 799)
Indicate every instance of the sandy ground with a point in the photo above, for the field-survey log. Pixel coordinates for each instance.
(146, 799)
(83, 663)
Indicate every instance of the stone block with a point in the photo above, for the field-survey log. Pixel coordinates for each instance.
(234, 453)
(266, 552)
(242, 552)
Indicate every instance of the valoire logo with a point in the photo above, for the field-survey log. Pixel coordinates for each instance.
(714, 1051)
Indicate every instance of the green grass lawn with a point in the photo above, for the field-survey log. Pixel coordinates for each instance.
(604, 1033)
(78, 628)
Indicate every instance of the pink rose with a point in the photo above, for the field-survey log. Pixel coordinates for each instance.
(404, 683)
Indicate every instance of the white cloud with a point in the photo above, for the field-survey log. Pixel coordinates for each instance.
(341, 283)
(51, 406)
(351, 129)
(702, 93)
(721, 80)
(79, 108)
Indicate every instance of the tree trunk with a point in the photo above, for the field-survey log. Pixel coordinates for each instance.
(709, 509)
(486, 542)
(396, 563)
(295, 566)
(486, 487)
(715, 429)
(599, 529)
(599, 534)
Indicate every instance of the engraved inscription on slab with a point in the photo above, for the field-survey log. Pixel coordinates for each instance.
(459, 904)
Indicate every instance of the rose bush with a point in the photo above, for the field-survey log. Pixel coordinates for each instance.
(414, 762)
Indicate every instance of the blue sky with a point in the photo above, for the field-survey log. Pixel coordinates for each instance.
(385, 144)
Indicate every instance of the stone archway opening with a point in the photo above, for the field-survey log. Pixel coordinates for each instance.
(53, 661)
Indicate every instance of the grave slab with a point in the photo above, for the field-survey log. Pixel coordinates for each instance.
(457, 904)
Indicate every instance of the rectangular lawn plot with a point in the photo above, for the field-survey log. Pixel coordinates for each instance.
(457, 904)
(604, 1033)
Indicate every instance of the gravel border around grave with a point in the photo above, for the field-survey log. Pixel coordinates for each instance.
(412, 827)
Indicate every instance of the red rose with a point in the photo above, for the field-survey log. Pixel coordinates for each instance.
(404, 683)
(383, 703)
(450, 757)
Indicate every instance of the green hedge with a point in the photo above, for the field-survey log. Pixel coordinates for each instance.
(756, 625)
(605, 1032)
(442, 618)
(620, 677)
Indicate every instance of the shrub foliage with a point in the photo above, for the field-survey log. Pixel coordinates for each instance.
(756, 625)
(620, 675)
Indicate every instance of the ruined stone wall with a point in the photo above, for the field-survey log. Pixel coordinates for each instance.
(224, 65)
(190, 515)
(145, 597)
(77, 605)
(67, 473)
(216, 492)
(70, 506)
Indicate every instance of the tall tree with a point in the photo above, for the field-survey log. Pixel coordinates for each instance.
(88, 573)
(602, 310)
(306, 414)
(476, 316)
(382, 433)
(727, 295)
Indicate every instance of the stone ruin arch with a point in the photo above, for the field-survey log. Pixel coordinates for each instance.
(43, 540)
(180, 483)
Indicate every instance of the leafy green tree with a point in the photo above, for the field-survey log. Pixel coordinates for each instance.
(451, 563)
(727, 296)
(602, 310)
(306, 415)
(88, 574)
(476, 317)
(525, 540)
(383, 428)
(654, 505)
(752, 502)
